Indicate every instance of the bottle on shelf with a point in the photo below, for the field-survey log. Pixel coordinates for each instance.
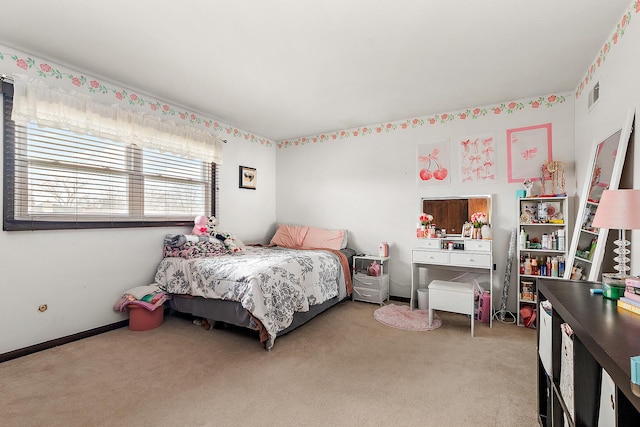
(545, 241)
(592, 248)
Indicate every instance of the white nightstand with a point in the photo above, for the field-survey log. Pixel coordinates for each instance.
(370, 288)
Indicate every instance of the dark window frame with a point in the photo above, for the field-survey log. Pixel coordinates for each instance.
(10, 223)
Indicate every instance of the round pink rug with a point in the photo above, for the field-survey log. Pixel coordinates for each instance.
(401, 317)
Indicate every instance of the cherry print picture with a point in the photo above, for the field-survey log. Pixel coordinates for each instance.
(433, 163)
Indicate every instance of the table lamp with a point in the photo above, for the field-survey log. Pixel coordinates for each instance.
(619, 209)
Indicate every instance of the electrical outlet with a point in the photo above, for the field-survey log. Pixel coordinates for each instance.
(42, 308)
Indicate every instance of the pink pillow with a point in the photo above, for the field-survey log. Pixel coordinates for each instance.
(317, 238)
(289, 236)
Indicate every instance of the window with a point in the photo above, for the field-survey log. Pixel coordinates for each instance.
(59, 179)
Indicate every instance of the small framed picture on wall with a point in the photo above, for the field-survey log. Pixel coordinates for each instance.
(248, 177)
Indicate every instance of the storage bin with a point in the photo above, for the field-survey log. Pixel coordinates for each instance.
(544, 344)
(612, 286)
(369, 282)
(141, 319)
(607, 413)
(368, 295)
(566, 370)
(423, 298)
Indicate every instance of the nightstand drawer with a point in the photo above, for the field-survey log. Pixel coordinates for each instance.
(431, 257)
(370, 282)
(369, 295)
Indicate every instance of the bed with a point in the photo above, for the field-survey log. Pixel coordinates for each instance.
(269, 289)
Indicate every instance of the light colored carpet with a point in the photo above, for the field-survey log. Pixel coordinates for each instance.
(342, 369)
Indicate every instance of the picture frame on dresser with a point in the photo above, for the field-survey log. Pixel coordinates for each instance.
(467, 229)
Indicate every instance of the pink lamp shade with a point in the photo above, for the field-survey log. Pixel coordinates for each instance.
(618, 209)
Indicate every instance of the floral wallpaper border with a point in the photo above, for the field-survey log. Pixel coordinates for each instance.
(612, 41)
(468, 114)
(46, 70)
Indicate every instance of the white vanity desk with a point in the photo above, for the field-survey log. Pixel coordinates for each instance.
(470, 254)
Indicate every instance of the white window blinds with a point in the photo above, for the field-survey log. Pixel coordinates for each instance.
(64, 178)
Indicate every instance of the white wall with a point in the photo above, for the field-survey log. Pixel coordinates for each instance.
(366, 184)
(79, 274)
(619, 92)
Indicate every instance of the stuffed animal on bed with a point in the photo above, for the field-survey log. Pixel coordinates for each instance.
(230, 242)
(206, 226)
(212, 221)
(201, 227)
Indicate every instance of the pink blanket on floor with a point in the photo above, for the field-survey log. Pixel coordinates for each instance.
(124, 302)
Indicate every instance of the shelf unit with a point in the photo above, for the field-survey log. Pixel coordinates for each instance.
(601, 372)
(539, 217)
(367, 288)
(586, 253)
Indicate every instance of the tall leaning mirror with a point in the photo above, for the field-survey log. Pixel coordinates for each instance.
(584, 261)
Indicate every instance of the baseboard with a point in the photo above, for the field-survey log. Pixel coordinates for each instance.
(60, 341)
(91, 332)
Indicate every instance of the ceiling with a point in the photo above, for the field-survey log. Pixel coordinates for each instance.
(282, 69)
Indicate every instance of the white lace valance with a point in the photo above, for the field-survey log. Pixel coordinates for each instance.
(35, 102)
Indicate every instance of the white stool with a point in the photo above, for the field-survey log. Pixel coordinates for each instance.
(451, 296)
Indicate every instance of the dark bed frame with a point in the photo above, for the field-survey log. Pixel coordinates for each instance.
(232, 312)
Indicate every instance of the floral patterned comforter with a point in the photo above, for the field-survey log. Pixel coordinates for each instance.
(271, 283)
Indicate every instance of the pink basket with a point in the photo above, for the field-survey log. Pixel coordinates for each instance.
(141, 319)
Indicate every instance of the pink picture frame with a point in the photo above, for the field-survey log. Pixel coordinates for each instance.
(528, 148)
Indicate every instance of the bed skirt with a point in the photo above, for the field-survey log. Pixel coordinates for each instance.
(233, 313)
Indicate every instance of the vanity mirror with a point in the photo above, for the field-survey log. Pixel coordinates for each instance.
(451, 212)
(584, 260)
